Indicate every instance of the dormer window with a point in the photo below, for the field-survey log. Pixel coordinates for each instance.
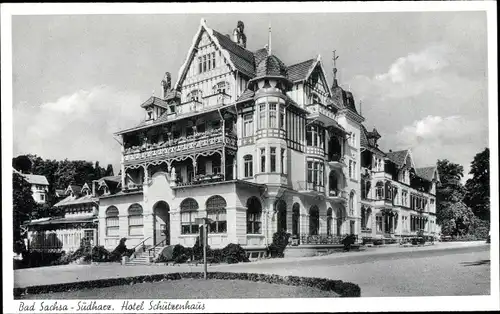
(149, 114)
(315, 98)
(194, 95)
(221, 88)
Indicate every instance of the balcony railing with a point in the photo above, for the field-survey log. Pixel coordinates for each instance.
(176, 146)
(206, 103)
(323, 239)
(203, 178)
(337, 193)
(131, 187)
(335, 158)
(310, 187)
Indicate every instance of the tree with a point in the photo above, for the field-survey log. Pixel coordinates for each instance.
(23, 203)
(109, 171)
(478, 187)
(452, 213)
(22, 163)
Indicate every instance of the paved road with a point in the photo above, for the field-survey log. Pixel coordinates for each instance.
(441, 270)
(452, 272)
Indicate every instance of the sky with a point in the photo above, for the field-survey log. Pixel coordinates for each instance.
(419, 78)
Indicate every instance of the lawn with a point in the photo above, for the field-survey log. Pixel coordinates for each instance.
(191, 289)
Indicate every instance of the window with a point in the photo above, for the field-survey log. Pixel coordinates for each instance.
(320, 174)
(200, 65)
(135, 220)
(254, 215)
(248, 125)
(194, 95)
(204, 63)
(310, 171)
(42, 197)
(312, 136)
(213, 60)
(262, 116)
(283, 160)
(216, 211)
(388, 190)
(315, 172)
(379, 223)
(351, 203)
(149, 114)
(282, 117)
(272, 116)
(189, 212)
(262, 160)
(350, 169)
(354, 172)
(273, 159)
(379, 190)
(221, 87)
(248, 166)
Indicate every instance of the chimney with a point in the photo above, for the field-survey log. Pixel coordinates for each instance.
(239, 36)
(166, 84)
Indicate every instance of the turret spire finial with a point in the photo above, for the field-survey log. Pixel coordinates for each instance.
(335, 57)
(269, 51)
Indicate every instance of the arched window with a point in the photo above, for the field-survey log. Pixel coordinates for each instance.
(379, 190)
(112, 222)
(135, 220)
(194, 95)
(295, 218)
(351, 203)
(248, 166)
(363, 217)
(216, 211)
(221, 88)
(329, 219)
(314, 220)
(254, 215)
(189, 212)
(280, 207)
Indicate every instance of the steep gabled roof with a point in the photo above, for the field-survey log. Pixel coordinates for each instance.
(156, 102)
(426, 173)
(74, 188)
(298, 72)
(246, 96)
(242, 59)
(365, 143)
(398, 157)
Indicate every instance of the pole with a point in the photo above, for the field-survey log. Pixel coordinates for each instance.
(205, 242)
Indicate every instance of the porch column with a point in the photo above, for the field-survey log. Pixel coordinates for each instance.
(195, 165)
(235, 168)
(145, 183)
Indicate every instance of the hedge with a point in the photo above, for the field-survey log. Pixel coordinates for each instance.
(343, 289)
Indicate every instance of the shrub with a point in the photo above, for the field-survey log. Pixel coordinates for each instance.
(234, 253)
(120, 251)
(277, 247)
(100, 254)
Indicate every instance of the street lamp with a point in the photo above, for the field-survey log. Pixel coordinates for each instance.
(204, 236)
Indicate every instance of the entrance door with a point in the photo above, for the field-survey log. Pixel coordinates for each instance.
(161, 222)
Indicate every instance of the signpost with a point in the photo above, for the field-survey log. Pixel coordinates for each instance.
(203, 222)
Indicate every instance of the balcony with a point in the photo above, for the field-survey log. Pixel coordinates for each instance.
(174, 147)
(337, 195)
(132, 187)
(321, 113)
(201, 179)
(310, 188)
(336, 160)
(205, 104)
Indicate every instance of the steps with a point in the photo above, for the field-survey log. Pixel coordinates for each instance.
(143, 258)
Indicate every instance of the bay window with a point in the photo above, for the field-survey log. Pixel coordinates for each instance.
(262, 116)
(248, 125)
(248, 166)
(273, 159)
(272, 116)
